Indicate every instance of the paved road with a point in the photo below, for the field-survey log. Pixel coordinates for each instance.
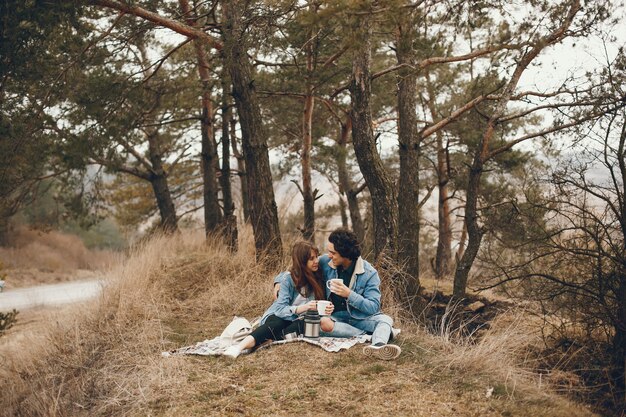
(49, 295)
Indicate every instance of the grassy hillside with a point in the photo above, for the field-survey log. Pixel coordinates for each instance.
(105, 358)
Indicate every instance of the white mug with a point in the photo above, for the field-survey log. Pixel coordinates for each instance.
(337, 280)
(321, 307)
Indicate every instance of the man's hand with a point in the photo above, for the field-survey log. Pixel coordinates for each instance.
(275, 290)
(329, 309)
(339, 288)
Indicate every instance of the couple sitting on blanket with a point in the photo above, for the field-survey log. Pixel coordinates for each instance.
(354, 293)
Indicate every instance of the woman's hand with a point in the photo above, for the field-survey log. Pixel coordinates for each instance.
(311, 305)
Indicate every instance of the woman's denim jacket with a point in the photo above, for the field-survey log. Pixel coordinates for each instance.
(282, 307)
(364, 299)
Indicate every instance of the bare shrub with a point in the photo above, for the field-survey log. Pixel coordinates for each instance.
(7, 320)
(52, 251)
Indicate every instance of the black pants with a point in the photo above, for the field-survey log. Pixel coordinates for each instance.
(276, 328)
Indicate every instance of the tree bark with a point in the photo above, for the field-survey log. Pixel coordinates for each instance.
(462, 240)
(156, 173)
(212, 213)
(263, 210)
(443, 258)
(308, 231)
(443, 261)
(343, 211)
(229, 224)
(241, 171)
(346, 185)
(384, 203)
(410, 142)
(158, 180)
(474, 230)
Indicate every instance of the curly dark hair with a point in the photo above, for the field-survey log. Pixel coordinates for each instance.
(346, 243)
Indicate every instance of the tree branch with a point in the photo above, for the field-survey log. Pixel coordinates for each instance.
(426, 197)
(172, 24)
(553, 129)
(455, 115)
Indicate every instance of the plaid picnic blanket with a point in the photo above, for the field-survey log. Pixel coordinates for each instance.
(240, 328)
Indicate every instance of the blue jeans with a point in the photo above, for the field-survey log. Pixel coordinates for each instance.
(379, 325)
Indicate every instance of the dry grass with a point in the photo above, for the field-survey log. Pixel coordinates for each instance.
(37, 257)
(104, 359)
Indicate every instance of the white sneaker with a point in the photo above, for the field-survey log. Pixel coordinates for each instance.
(232, 351)
(395, 332)
(381, 351)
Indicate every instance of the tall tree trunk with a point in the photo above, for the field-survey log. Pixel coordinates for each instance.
(346, 185)
(158, 180)
(474, 230)
(241, 171)
(343, 211)
(443, 258)
(229, 226)
(212, 213)
(443, 261)
(462, 240)
(384, 203)
(263, 210)
(157, 174)
(308, 231)
(209, 158)
(410, 142)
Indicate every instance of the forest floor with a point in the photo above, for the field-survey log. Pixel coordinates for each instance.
(104, 358)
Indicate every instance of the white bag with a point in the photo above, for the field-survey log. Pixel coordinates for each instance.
(237, 330)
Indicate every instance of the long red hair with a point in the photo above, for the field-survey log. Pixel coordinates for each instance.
(305, 280)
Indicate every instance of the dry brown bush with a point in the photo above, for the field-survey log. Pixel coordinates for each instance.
(51, 251)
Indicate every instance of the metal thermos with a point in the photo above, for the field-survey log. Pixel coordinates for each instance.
(311, 324)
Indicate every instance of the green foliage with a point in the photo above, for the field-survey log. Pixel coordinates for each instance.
(39, 41)
(27, 26)
(56, 206)
(105, 234)
(132, 199)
